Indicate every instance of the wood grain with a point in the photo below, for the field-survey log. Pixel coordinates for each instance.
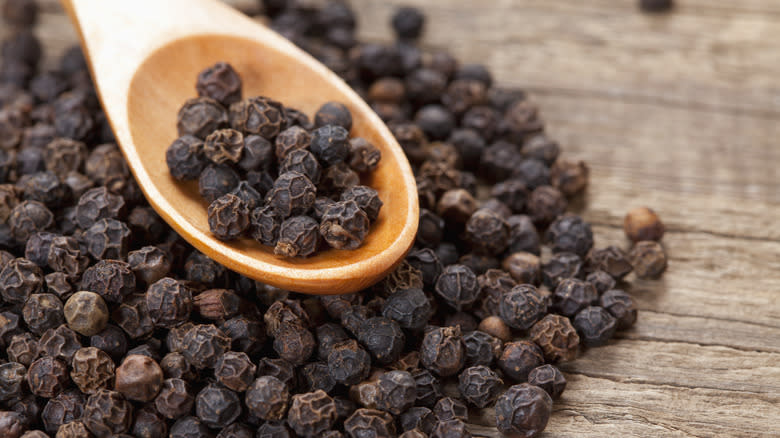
(676, 112)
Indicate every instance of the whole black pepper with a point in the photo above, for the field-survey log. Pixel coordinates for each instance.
(217, 406)
(479, 385)
(548, 378)
(311, 413)
(595, 326)
(522, 307)
(557, 338)
(442, 351)
(648, 259)
(519, 358)
(523, 410)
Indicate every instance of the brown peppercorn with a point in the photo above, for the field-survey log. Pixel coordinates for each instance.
(74, 429)
(642, 223)
(92, 369)
(47, 377)
(12, 376)
(149, 263)
(174, 399)
(570, 177)
(522, 306)
(200, 117)
(519, 358)
(219, 82)
(611, 260)
(524, 267)
(369, 422)
(311, 413)
(479, 385)
(573, 295)
(235, 371)
(523, 411)
(548, 378)
(224, 145)
(169, 302)
(456, 206)
(267, 398)
(218, 304)
(442, 351)
(291, 139)
(404, 276)
(60, 342)
(107, 413)
(648, 259)
(496, 327)
(86, 313)
(203, 344)
(23, 349)
(112, 279)
(19, 279)
(139, 378)
(62, 409)
(42, 312)
(228, 217)
(259, 116)
(557, 337)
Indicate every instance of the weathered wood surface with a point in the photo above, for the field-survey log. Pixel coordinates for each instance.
(677, 112)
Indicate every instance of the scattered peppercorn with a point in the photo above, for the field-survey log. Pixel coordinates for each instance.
(548, 378)
(648, 259)
(523, 410)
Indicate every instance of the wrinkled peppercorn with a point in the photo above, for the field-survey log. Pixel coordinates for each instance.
(522, 307)
(548, 378)
(219, 82)
(519, 358)
(267, 398)
(383, 338)
(595, 326)
(648, 259)
(458, 286)
(442, 351)
(479, 385)
(311, 413)
(217, 406)
(523, 410)
(348, 364)
(203, 344)
(369, 422)
(174, 399)
(86, 313)
(620, 305)
(557, 337)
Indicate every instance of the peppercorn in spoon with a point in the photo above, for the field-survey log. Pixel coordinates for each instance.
(142, 56)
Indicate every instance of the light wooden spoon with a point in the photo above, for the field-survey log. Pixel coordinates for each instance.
(145, 56)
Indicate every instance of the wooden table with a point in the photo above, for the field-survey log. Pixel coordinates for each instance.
(679, 112)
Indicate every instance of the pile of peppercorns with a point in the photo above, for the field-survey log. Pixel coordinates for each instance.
(111, 325)
(308, 173)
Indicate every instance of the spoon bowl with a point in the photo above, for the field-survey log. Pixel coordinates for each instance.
(146, 70)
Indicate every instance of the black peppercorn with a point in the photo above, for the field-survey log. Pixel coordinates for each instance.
(344, 225)
(442, 351)
(648, 259)
(217, 406)
(383, 338)
(298, 237)
(479, 385)
(557, 338)
(523, 410)
(548, 378)
(311, 413)
(611, 260)
(333, 113)
(200, 117)
(174, 399)
(595, 326)
(219, 82)
(522, 306)
(519, 358)
(458, 286)
(396, 392)
(620, 305)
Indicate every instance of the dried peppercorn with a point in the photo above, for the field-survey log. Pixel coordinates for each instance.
(12, 376)
(648, 259)
(405, 276)
(450, 429)
(291, 139)
(228, 217)
(108, 239)
(203, 344)
(348, 364)
(442, 351)
(601, 281)
(545, 203)
(642, 223)
(363, 155)
(396, 392)
(174, 399)
(458, 286)
(42, 312)
(298, 237)
(200, 117)
(149, 264)
(215, 181)
(408, 23)
(481, 348)
(258, 154)
(63, 409)
(383, 338)
(496, 327)
(409, 307)
(311, 413)
(344, 225)
(523, 410)
(479, 385)
(557, 338)
(139, 378)
(265, 224)
(92, 369)
(294, 343)
(60, 342)
(149, 423)
(224, 145)
(418, 418)
(267, 398)
(561, 266)
(219, 82)
(22, 348)
(106, 413)
(86, 313)
(519, 358)
(19, 279)
(369, 422)
(524, 267)
(620, 305)
(333, 113)
(573, 295)
(217, 406)
(28, 218)
(569, 177)
(112, 340)
(187, 427)
(47, 377)
(315, 375)
(133, 317)
(611, 260)
(293, 193)
(487, 231)
(595, 326)
(522, 307)
(548, 378)
(236, 430)
(448, 408)
(258, 115)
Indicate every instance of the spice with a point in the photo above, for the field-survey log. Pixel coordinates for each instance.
(194, 342)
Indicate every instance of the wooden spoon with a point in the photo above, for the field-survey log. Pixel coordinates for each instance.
(145, 56)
